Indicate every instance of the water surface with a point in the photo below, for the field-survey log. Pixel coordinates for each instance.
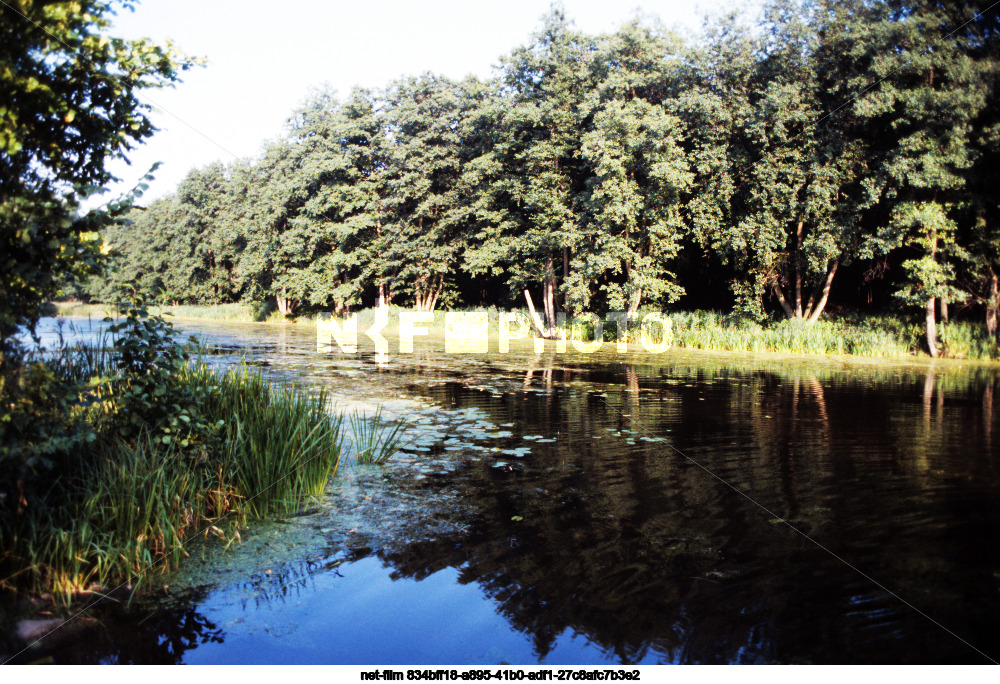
(605, 508)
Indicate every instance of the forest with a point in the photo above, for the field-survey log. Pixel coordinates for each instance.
(831, 156)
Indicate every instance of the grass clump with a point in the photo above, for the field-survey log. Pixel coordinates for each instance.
(285, 443)
(373, 441)
(112, 457)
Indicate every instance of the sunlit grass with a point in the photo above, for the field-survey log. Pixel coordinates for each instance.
(878, 336)
(233, 313)
(120, 510)
(372, 440)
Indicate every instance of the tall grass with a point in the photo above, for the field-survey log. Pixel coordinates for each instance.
(285, 443)
(125, 508)
(878, 336)
(372, 441)
(709, 330)
(237, 313)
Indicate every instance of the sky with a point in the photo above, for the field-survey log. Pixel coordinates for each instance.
(264, 58)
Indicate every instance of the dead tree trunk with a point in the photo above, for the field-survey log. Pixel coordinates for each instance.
(931, 328)
(993, 304)
(549, 298)
(534, 315)
(932, 310)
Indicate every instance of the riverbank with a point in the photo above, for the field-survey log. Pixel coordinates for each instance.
(230, 313)
(114, 454)
(851, 335)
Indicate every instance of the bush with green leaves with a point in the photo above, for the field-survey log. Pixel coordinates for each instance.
(113, 457)
(148, 359)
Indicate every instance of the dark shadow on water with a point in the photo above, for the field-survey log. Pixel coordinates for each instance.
(583, 509)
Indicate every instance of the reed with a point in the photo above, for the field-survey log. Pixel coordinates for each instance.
(125, 508)
(286, 444)
(373, 440)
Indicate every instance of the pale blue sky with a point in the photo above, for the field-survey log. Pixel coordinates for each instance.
(265, 56)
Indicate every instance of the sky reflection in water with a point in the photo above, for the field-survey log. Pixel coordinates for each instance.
(540, 514)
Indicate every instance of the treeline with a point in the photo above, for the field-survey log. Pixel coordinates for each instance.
(757, 165)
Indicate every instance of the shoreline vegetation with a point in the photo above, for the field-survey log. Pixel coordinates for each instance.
(851, 334)
(635, 168)
(126, 453)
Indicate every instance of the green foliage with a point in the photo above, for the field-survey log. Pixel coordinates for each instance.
(148, 359)
(926, 227)
(424, 200)
(113, 456)
(42, 425)
(70, 103)
(372, 440)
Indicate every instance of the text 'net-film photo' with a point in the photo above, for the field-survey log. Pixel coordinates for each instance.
(496, 336)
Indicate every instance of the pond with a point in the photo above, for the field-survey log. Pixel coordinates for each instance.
(633, 508)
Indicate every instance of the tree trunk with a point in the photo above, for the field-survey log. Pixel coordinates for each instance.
(432, 304)
(931, 328)
(821, 304)
(944, 310)
(549, 296)
(286, 306)
(534, 314)
(789, 312)
(993, 304)
(931, 308)
(798, 270)
(562, 295)
(633, 303)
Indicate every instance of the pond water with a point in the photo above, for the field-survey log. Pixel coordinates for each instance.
(609, 508)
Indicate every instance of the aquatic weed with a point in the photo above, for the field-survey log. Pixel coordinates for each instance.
(373, 441)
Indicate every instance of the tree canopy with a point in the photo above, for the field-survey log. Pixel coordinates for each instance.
(853, 140)
(69, 103)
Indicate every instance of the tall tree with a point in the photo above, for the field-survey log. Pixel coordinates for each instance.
(306, 225)
(928, 91)
(70, 98)
(426, 211)
(633, 224)
(343, 159)
(537, 172)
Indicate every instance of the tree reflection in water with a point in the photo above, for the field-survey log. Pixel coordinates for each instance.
(137, 636)
(626, 542)
(612, 528)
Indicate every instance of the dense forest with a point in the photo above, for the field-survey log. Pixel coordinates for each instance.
(833, 154)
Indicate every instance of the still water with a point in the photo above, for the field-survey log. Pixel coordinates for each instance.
(606, 508)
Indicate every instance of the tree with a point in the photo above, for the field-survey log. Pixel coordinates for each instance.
(308, 221)
(199, 249)
(426, 213)
(140, 245)
(533, 173)
(714, 105)
(929, 88)
(794, 171)
(632, 217)
(70, 104)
